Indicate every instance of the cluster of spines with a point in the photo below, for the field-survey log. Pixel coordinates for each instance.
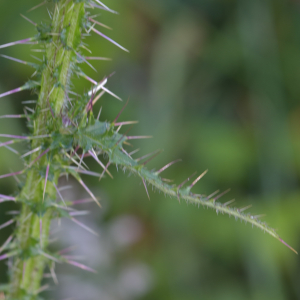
(75, 134)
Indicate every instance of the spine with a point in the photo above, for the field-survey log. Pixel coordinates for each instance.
(61, 40)
(63, 133)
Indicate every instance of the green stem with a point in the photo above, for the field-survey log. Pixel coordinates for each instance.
(33, 225)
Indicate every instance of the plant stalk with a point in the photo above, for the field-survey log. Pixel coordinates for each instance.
(33, 224)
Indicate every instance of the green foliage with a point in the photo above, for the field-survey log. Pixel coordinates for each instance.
(62, 133)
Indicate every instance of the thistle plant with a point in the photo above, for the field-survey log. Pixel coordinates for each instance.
(64, 130)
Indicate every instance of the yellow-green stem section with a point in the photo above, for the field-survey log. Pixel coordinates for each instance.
(32, 228)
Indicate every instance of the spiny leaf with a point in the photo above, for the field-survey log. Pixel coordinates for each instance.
(101, 135)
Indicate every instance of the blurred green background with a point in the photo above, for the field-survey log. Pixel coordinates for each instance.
(217, 83)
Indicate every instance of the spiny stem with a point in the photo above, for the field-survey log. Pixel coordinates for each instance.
(27, 270)
(63, 133)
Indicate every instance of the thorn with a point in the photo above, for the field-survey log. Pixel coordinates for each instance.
(7, 224)
(95, 16)
(19, 89)
(123, 136)
(118, 115)
(147, 155)
(35, 7)
(6, 243)
(125, 123)
(73, 93)
(87, 200)
(67, 250)
(98, 86)
(12, 116)
(81, 266)
(7, 197)
(11, 149)
(228, 202)
(198, 178)
(84, 226)
(79, 213)
(89, 106)
(21, 137)
(98, 97)
(157, 153)
(41, 289)
(49, 13)
(29, 102)
(49, 256)
(94, 155)
(25, 41)
(33, 56)
(87, 78)
(88, 172)
(13, 212)
(166, 180)
(167, 166)
(82, 46)
(134, 151)
(29, 109)
(32, 151)
(146, 188)
(89, 192)
(33, 74)
(74, 257)
(18, 60)
(35, 160)
(244, 208)
(74, 151)
(104, 7)
(139, 137)
(81, 159)
(101, 24)
(96, 58)
(99, 111)
(62, 207)
(88, 30)
(284, 243)
(7, 255)
(259, 216)
(37, 50)
(81, 162)
(6, 143)
(4, 256)
(181, 184)
(105, 170)
(74, 161)
(111, 93)
(28, 20)
(211, 195)
(59, 194)
(66, 187)
(26, 114)
(46, 178)
(109, 39)
(12, 174)
(222, 194)
(125, 152)
(85, 61)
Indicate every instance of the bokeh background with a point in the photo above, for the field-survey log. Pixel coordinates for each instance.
(217, 83)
